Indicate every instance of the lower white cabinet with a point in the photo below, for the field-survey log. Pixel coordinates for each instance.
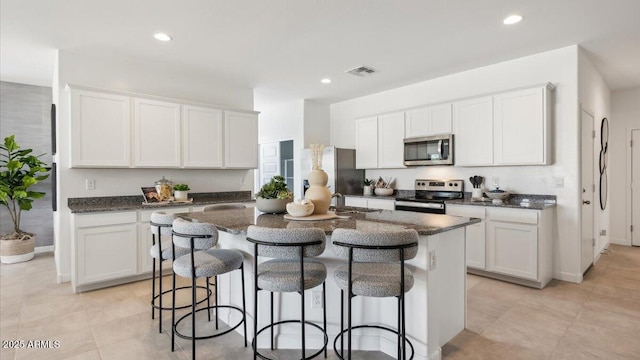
(509, 243)
(475, 234)
(105, 246)
(361, 202)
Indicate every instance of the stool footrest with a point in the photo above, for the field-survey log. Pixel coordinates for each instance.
(175, 327)
(153, 301)
(326, 338)
(341, 333)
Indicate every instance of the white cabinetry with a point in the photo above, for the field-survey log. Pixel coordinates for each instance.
(241, 140)
(202, 137)
(475, 234)
(521, 127)
(427, 121)
(105, 246)
(369, 203)
(379, 141)
(157, 134)
(367, 143)
(390, 140)
(518, 244)
(473, 129)
(510, 128)
(101, 129)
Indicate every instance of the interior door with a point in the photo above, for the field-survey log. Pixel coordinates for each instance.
(635, 187)
(588, 188)
(269, 161)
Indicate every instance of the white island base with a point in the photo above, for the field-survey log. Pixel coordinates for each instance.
(435, 306)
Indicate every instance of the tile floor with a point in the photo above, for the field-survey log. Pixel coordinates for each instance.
(598, 319)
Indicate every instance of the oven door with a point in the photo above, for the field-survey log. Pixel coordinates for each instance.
(424, 207)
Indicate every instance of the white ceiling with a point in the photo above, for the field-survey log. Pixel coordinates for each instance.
(284, 47)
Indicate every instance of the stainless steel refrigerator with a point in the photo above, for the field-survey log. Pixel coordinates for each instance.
(340, 166)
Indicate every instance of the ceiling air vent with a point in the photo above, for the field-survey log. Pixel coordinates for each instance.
(361, 71)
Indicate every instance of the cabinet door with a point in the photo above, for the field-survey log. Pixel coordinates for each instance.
(157, 134)
(241, 140)
(367, 143)
(513, 249)
(202, 137)
(416, 123)
(381, 204)
(101, 130)
(106, 252)
(475, 234)
(391, 140)
(519, 127)
(440, 119)
(473, 129)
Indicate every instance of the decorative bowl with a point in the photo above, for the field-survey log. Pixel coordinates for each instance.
(497, 195)
(299, 210)
(383, 191)
(274, 206)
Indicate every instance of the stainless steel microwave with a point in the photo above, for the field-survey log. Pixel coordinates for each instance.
(429, 150)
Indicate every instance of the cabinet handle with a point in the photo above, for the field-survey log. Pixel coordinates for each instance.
(587, 202)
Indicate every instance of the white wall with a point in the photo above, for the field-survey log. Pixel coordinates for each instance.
(558, 67)
(594, 96)
(625, 115)
(144, 78)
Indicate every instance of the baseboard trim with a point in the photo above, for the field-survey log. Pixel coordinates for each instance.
(570, 277)
(43, 249)
(63, 278)
(620, 241)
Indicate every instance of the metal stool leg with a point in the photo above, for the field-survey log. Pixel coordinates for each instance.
(160, 297)
(173, 315)
(271, 304)
(342, 323)
(216, 299)
(153, 289)
(302, 322)
(208, 300)
(399, 327)
(193, 318)
(324, 312)
(244, 308)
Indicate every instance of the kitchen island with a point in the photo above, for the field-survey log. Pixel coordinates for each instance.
(435, 306)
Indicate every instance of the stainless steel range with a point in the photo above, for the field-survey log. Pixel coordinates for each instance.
(430, 196)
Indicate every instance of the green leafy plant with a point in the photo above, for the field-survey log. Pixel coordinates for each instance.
(181, 187)
(368, 182)
(19, 171)
(275, 189)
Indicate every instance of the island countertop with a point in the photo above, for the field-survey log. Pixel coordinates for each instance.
(237, 221)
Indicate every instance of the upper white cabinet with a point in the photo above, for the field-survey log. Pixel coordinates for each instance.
(391, 140)
(101, 129)
(241, 140)
(379, 141)
(473, 129)
(521, 127)
(157, 133)
(427, 121)
(367, 143)
(510, 128)
(202, 137)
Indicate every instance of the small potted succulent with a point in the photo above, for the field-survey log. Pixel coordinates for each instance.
(368, 187)
(181, 192)
(274, 196)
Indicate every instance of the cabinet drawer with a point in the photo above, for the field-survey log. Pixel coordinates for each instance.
(381, 204)
(514, 215)
(469, 211)
(355, 201)
(106, 218)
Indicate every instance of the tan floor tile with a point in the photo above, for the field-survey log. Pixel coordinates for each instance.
(56, 306)
(562, 290)
(557, 308)
(613, 298)
(115, 331)
(54, 325)
(152, 347)
(89, 355)
(474, 280)
(478, 321)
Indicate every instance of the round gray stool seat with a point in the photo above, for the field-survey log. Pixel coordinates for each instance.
(208, 263)
(373, 279)
(283, 275)
(167, 252)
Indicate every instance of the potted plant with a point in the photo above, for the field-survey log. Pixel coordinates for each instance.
(181, 192)
(274, 196)
(19, 171)
(368, 185)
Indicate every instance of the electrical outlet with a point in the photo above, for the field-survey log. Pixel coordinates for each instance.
(90, 184)
(316, 300)
(432, 260)
(603, 232)
(559, 181)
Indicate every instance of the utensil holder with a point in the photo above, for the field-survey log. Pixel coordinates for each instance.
(476, 194)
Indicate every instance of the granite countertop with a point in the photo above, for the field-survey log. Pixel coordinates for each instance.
(516, 201)
(134, 202)
(237, 221)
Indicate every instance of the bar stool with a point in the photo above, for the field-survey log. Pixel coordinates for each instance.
(289, 270)
(375, 268)
(203, 261)
(226, 206)
(162, 250)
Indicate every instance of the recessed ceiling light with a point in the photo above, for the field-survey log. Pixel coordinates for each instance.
(512, 19)
(326, 81)
(162, 37)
